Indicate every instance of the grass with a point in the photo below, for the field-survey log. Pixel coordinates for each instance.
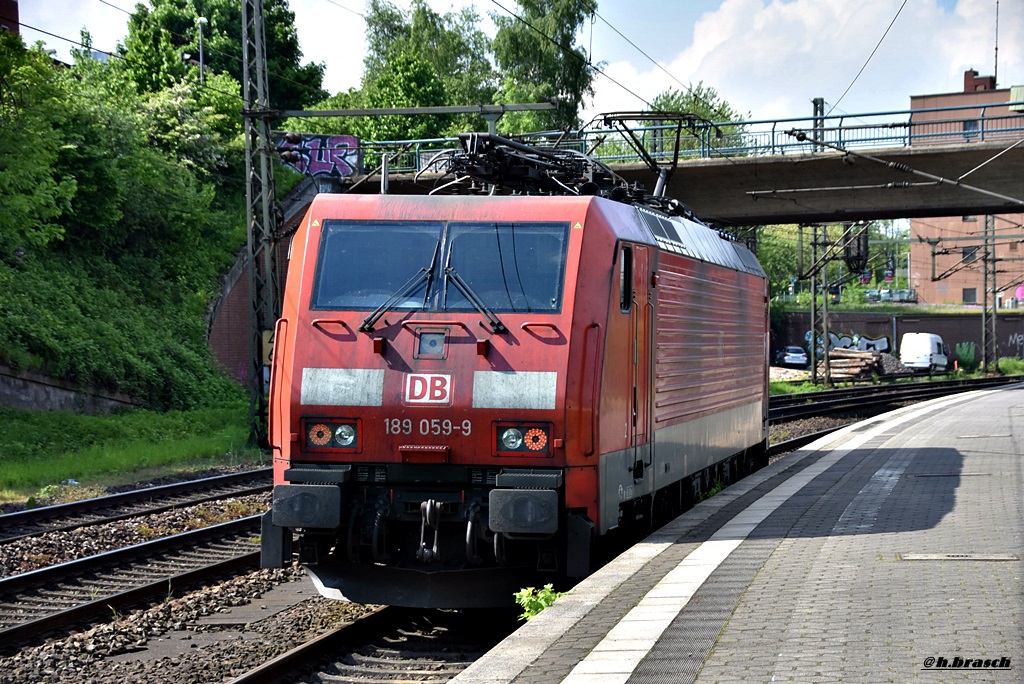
(40, 450)
(1011, 366)
(781, 387)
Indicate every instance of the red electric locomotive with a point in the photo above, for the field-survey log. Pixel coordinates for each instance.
(470, 393)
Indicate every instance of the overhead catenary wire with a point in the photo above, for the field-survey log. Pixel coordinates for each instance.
(801, 136)
(868, 60)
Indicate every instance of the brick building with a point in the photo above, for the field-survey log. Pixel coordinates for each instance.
(9, 20)
(983, 114)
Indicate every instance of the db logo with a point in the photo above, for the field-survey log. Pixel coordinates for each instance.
(428, 388)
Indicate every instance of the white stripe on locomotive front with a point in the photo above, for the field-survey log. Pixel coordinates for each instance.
(342, 387)
(512, 390)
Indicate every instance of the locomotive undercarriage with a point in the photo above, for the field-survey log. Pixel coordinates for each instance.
(429, 544)
(434, 544)
(431, 529)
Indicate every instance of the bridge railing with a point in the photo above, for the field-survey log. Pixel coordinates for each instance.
(724, 139)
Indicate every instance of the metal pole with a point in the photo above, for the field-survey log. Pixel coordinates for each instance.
(260, 213)
(985, 359)
(826, 339)
(814, 302)
(990, 351)
(201, 21)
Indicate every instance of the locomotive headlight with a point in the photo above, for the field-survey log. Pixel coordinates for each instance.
(512, 438)
(522, 439)
(345, 435)
(332, 434)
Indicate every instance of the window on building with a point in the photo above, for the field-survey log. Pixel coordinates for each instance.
(1014, 246)
(970, 129)
(971, 217)
(970, 255)
(970, 295)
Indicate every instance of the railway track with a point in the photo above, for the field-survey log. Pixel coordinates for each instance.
(34, 603)
(872, 397)
(105, 509)
(391, 644)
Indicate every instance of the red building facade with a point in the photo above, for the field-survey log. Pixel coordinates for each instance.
(951, 249)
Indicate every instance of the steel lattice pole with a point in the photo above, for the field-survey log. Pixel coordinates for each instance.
(260, 215)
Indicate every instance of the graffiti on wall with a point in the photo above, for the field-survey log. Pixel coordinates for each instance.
(1016, 342)
(858, 342)
(323, 155)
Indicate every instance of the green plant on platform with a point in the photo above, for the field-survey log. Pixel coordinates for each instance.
(533, 600)
(715, 488)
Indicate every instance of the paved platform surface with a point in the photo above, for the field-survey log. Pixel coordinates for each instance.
(890, 551)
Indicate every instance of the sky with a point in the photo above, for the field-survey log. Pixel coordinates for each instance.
(768, 58)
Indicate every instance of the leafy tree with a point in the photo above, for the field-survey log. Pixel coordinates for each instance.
(708, 104)
(36, 191)
(451, 44)
(778, 252)
(333, 125)
(697, 99)
(409, 82)
(160, 33)
(538, 61)
(195, 124)
(135, 205)
(152, 48)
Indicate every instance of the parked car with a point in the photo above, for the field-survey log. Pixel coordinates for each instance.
(791, 356)
(923, 352)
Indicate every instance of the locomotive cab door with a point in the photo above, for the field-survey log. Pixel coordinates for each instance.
(636, 259)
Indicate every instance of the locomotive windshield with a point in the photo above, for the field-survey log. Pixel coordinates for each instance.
(510, 267)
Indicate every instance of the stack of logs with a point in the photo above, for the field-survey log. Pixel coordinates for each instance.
(851, 364)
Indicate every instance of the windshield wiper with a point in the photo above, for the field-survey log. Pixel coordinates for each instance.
(496, 325)
(410, 285)
(426, 273)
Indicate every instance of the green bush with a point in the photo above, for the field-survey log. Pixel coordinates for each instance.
(57, 319)
(533, 600)
(111, 242)
(1011, 365)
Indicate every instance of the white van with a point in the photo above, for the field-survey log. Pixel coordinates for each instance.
(923, 352)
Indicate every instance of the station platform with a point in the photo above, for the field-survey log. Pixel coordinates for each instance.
(889, 551)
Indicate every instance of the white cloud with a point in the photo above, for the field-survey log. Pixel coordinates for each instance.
(771, 59)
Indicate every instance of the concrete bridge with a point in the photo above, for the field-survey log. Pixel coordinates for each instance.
(833, 187)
